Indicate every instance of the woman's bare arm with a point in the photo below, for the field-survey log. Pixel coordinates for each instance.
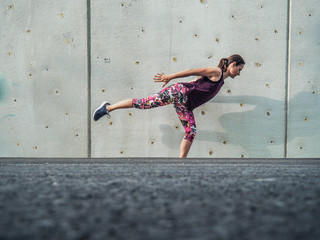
(208, 72)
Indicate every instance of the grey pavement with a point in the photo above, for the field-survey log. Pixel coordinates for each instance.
(159, 199)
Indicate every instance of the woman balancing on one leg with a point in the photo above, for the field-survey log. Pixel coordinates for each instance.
(184, 96)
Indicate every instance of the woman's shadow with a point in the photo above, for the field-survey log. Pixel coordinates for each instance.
(260, 124)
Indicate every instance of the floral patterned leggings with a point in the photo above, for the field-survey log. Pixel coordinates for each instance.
(176, 94)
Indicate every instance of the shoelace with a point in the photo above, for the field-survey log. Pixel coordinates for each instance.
(108, 115)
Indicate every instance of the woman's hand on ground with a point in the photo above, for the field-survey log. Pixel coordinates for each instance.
(160, 77)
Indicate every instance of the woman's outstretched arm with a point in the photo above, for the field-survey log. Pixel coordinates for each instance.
(208, 72)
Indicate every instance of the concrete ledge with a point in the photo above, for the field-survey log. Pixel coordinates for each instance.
(159, 161)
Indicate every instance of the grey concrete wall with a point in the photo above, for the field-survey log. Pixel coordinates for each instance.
(43, 77)
(271, 110)
(304, 80)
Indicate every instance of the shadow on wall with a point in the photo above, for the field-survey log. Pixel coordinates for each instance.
(3, 89)
(260, 127)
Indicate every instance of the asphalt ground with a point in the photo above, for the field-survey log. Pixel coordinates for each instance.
(160, 199)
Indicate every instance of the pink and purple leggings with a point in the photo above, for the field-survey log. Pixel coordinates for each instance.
(176, 94)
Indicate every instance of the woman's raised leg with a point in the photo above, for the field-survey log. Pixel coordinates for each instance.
(106, 107)
(122, 104)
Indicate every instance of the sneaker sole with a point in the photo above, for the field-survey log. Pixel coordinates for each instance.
(99, 108)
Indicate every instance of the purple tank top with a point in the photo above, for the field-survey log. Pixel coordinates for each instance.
(201, 91)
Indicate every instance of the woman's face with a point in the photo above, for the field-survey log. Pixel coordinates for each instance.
(235, 70)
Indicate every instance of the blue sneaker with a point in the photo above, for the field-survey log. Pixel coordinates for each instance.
(101, 111)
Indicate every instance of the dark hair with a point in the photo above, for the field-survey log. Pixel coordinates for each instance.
(225, 62)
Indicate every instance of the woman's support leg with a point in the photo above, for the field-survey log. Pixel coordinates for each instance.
(122, 104)
(184, 148)
(187, 119)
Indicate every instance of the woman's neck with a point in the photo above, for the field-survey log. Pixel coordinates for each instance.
(226, 74)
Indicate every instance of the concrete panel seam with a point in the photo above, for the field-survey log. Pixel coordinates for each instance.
(89, 74)
(171, 37)
(287, 84)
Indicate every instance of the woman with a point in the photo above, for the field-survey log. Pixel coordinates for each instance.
(184, 96)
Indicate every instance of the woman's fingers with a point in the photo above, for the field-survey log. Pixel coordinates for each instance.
(158, 78)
